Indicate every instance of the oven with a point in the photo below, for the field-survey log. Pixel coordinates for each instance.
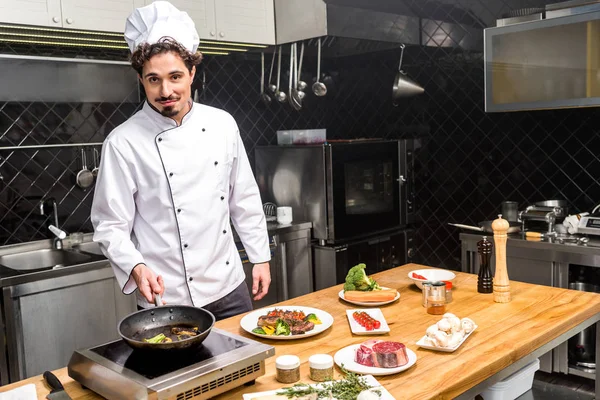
(347, 189)
(378, 253)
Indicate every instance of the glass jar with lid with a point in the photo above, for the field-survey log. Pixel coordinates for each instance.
(288, 368)
(435, 297)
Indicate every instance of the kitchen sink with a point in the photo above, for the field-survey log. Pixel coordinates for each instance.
(43, 259)
(89, 247)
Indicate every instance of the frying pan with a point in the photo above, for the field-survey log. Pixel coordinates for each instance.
(486, 226)
(148, 323)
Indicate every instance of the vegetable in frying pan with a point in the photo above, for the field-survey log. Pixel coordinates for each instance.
(181, 333)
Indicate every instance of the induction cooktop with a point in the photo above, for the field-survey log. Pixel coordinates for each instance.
(222, 362)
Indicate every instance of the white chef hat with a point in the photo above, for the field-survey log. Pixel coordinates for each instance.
(150, 23)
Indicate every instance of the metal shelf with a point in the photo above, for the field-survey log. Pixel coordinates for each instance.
(48, 146)
(582, 373)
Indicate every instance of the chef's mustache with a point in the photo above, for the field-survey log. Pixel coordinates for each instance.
(170, 98)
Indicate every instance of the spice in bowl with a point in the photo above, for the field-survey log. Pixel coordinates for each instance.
(288, 369)
(321, 367)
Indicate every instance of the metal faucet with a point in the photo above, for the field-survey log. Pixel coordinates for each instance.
(58, 233)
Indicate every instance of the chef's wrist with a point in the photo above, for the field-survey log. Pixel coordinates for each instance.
(138, 269)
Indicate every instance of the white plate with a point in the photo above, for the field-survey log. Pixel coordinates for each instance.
(358, 329)
(249, 321)
(369, 303)
(423, 344)
(370, 380)
(345, 356)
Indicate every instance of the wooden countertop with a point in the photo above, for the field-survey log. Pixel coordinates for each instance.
(506, 333)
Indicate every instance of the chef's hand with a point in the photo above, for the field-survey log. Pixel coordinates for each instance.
(261, 279)
(148, 282)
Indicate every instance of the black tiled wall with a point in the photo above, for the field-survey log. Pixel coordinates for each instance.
(470, 162)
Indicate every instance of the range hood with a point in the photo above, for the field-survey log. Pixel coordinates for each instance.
(359, 26)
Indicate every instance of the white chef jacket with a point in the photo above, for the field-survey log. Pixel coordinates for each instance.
(164, 197)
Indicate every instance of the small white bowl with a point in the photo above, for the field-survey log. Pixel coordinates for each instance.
(431, 275)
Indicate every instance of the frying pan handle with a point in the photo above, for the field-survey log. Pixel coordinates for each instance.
(473, 228)
(53, 381)
(157, 300)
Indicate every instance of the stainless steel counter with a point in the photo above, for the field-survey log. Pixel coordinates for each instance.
(280, 229)
(592, 248)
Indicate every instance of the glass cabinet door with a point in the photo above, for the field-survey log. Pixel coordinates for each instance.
(552, 63)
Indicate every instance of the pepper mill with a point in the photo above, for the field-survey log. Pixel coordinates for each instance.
(501, 283)
(485, 279)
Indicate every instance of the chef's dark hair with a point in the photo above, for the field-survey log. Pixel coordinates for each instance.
(146, 51)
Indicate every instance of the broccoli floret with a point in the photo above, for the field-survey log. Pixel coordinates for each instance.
(282, 328)
(259, 331)
(357, 279)
(313, 318)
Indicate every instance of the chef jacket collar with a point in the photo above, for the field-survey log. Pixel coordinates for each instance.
(166, 122)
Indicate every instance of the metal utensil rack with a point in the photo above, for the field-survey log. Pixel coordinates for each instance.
(48, 146)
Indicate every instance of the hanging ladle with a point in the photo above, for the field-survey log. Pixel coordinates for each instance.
(301, 85)
(293, 98)
(272, 86)
(319, 88)
(281, 96)
(266, 99)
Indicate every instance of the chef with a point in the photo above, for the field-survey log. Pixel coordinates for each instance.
(171, 179)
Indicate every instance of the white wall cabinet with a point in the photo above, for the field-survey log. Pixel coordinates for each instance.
(106, 15)
(41, 12)
(246, 21)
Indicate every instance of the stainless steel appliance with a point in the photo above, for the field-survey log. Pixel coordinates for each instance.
(379, 253)
(582, 347)
(291, 263)
(224, 361)
(545, 213)
(541, 61)
(348, 189)
(590, 224)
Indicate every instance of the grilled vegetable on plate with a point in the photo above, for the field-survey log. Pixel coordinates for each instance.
(286, 322)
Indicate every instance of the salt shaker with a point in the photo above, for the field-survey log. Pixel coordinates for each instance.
(485, 280)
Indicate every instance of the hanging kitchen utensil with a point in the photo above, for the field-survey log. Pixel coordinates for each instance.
(272, 86)
(266, 99)
(294, 99)
(281, 96)
(96, 162)
(301, 85)
(403, 85)
(152, 321)
(84, 178)
(318, 87)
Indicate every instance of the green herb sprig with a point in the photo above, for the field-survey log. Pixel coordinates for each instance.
(347, 389)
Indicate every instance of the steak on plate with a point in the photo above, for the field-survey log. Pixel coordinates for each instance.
(300, 327)
(381, 354)
(263, 320)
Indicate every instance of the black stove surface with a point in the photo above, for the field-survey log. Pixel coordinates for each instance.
(151, 365)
